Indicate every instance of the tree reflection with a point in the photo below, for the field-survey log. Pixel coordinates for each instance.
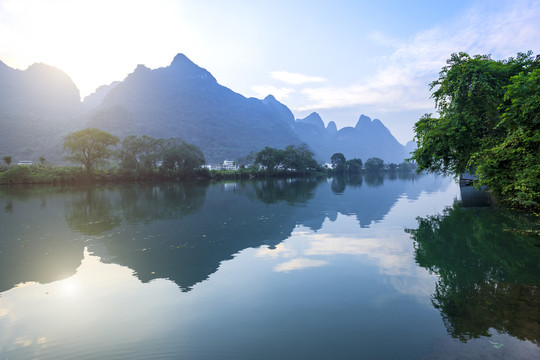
(92, 213)
(292, 191)
(187, 243)
(338, 184)
(489, 271)
(164, 201)
(374, 179)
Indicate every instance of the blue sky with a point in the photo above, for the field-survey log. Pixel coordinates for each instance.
(338, 58)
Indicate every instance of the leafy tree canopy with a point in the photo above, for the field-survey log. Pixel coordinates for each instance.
(7, 160)
(89, 147)
(294, 158)
(374, 164)
(178, 155)
(488, 123)
(338, 162)
(354, 165)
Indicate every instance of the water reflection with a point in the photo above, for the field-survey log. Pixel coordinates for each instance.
(35, 244)
(472, 197)
(91, 212)
(157, 202)
(292, 191)
(181, 231)
(312, 273)
(489, 271)
(78, 316)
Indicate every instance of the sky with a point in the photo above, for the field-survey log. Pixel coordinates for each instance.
(338, 58)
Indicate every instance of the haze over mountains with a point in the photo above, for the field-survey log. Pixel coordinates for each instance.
(41, 105)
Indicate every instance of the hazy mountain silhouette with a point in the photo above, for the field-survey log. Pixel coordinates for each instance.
(41, 105)
(37, 107)
(367, 139)
(92, 101)
(184, 100)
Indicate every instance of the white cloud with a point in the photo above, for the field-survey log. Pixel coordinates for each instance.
(402, 81)
(296, 78)
(279, 93)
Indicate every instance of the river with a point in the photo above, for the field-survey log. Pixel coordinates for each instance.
(372, 267)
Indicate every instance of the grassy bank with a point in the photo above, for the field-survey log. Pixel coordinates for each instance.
(50, 174)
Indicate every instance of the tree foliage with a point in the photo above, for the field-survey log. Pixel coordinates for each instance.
(139, 153)
(146, 154)
(299, 159)
(488, 123)
(354, 166)
(89, 147)
(339, 163)
(180, 156)
(374, 164)
(7, 160)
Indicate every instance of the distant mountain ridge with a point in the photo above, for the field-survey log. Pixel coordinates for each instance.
(369, 138)
(37, 107)
(180, 100)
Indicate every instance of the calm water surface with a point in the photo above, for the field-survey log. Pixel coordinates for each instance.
(362, 268)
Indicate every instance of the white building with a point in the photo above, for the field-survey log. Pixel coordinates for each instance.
(228, 165)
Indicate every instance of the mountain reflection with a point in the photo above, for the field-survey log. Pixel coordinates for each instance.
(35, 244)
(489, 271)
(180, 231)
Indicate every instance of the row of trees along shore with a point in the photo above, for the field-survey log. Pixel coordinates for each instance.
(488, 124)
(145, 158)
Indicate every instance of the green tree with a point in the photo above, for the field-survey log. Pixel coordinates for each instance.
(7, 160)
(89, 147)
(247, 160)
(488, 123)
(298, 158)
(467, 97)
(354, 166)
(393, 167)
(42, 160)
(511, 168)
(177, 155)
(338, 162)
(140, 153)
(270, 158)
(374, 164)
(130, 149)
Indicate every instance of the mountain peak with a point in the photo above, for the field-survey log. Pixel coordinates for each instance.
(185, 68)
(331, 127)
(313, 119)
(363, 121)
(141, 68)
(182, 60)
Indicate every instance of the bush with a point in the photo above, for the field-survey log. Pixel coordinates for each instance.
(17, 175)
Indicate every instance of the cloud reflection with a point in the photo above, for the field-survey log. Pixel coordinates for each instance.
(390, 250)
(298, 264)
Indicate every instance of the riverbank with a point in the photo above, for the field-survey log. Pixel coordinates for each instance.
(50, 174)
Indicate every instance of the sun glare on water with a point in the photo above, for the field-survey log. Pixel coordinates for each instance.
(69, 288)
